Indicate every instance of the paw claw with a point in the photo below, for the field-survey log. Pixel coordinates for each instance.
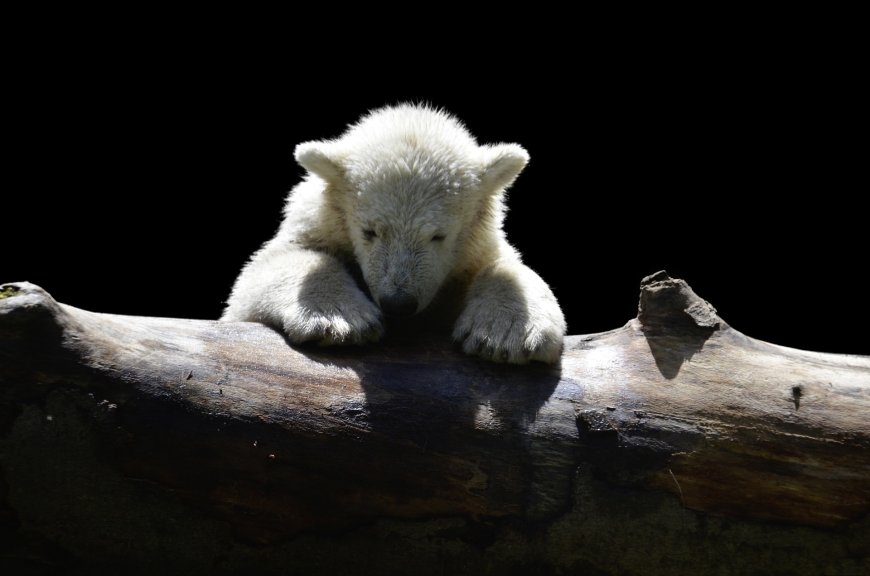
(502, 334)
(345, 323)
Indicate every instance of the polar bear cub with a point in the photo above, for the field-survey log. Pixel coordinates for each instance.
(400, 219)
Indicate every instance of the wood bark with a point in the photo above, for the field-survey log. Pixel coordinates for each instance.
(657, 448)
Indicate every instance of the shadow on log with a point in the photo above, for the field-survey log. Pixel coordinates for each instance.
(148, 445)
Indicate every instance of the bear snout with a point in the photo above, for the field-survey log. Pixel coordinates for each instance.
(398, 303)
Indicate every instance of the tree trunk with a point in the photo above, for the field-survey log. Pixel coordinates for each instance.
(672, 445)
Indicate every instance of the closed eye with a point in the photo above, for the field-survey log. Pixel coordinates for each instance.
(438, 237)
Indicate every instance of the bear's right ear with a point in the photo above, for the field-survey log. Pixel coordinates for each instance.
(319, 158)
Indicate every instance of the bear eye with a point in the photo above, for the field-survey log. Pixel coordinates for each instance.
(438, 237)
(369, 234)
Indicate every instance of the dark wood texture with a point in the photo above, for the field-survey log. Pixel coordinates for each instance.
(673, 432)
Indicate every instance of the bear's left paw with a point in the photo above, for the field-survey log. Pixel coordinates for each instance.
(511, 332)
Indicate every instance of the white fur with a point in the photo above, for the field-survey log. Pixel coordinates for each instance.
(409, 199)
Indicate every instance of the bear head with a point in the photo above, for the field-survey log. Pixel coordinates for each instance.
(416, 197)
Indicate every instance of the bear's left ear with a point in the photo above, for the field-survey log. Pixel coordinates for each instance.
(320, 158)
(502, 163)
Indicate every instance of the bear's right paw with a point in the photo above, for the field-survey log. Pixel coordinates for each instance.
(343, 323)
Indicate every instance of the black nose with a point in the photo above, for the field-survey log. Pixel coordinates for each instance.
(399, 304)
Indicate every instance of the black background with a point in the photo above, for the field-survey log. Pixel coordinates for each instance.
(138, 182)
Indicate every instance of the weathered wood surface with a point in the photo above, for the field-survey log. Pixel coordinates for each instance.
(278, 443)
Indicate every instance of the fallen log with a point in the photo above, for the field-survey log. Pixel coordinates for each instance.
(656, 448)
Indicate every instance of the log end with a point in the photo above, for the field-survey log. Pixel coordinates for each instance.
(32, 323)
(23, 304)
(22, 290)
